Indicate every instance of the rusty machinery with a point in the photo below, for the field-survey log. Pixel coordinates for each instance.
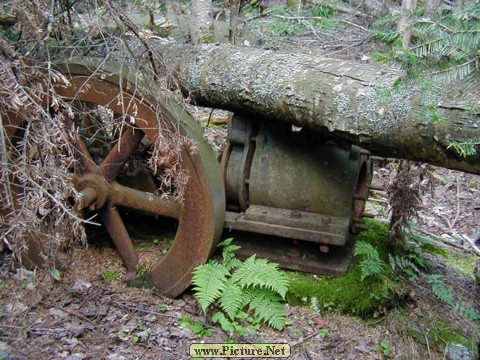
(288, 183)
(287, 194)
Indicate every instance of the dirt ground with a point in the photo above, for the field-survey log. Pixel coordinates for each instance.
(84, 315)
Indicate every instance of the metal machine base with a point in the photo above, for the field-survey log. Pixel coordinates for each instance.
(294, 255)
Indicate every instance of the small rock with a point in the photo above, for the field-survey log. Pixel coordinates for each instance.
(71, 342)
(15, 309)
(476, 204)
(115, 357)
(362, 347)
(180, 304)
(320, 322)
(458, 352)
(81, 285)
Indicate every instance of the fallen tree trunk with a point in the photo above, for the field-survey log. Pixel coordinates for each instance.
(368, 105)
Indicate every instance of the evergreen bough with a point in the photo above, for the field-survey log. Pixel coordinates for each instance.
(255, 285)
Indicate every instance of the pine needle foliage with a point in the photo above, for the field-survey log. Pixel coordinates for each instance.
(255, 285)
(465, 148)
(447, 48)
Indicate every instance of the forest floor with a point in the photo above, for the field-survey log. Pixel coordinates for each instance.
(88, 313)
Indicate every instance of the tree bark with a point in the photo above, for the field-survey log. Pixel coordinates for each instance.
(365, 104)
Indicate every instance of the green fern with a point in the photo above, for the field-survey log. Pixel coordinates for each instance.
(370, 264)
(255, 284)
(230, 261)
(465, 311)
(210, 281)
(261, 273)
(445, 294)
(231, 300)
(229, 325)
(405, 265)
(411, 264)
(267, 307)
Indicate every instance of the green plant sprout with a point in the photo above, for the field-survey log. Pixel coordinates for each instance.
(110, 275)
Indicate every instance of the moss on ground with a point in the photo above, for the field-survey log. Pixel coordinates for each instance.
(348, 293)
(463, 263)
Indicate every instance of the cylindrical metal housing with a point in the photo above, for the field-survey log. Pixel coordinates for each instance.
(291, 171)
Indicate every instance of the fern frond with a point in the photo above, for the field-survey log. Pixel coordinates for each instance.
(440, 290)
(230, 261)
(266, 305)
(231, 300)
(261, 273)
(371, 264)
(405, 265)
(365, 249)
(210, 280)
(371, 267)
(465, 311)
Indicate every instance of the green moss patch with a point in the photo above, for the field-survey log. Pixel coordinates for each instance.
(463, 263)
(347, 293)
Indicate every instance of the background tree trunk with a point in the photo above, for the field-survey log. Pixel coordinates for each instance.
(365, 104)
(236, 26)
(202, 21)
(404, 25)
(433, 9)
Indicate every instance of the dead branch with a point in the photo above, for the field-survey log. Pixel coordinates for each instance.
(472, 244)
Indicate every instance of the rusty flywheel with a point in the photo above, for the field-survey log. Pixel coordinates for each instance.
(200, 216)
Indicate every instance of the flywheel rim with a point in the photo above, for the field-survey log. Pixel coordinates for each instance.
(200, 218)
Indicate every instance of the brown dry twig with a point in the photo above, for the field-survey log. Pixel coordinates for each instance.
(404, 193)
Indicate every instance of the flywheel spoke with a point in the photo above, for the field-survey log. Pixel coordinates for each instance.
(87, 164)
(120, 153)
(144, 201)
(114, 224)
